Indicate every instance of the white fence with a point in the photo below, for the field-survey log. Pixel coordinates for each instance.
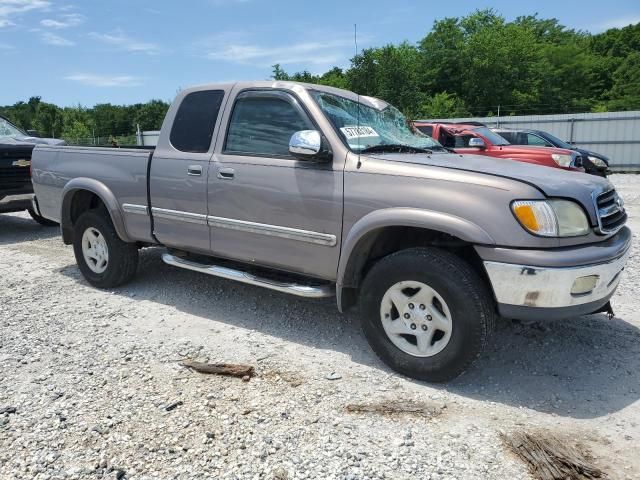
(148, 138)
(614, 134)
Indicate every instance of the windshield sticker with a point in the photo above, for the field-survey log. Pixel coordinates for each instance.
(358, 132)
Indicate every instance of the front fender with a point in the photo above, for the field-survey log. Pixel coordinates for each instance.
(103, 192)
(400, 217)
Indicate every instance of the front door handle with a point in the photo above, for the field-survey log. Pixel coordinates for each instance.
(226, 173)
(194, 170)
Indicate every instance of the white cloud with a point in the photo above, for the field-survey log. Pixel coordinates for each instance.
(56, 40)
(95, 80)
(11, 7)
(64, 21)
(6, 23)
(619, 22)
(5, 47)
(308, 52)
(124, 42)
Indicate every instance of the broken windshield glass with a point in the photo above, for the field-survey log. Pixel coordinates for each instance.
(363, 127)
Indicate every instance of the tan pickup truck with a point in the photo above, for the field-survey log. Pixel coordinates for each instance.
(317, 191)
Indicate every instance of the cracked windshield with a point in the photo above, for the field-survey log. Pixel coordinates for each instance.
(366, 128)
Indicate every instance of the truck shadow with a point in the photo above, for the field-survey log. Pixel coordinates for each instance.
(20, 227)
(584, 367)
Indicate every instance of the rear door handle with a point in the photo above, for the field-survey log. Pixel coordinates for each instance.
(194, 170)
(226, 173)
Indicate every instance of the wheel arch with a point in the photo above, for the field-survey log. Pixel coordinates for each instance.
(82, 194)
(385, 231)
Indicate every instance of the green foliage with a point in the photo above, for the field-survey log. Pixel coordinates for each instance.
(480, 62)
(76, 132)
(444, 105)
(79, 124)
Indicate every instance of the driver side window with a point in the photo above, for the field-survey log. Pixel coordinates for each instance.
(536, 141)
(262, 124)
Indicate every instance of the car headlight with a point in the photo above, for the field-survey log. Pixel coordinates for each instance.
(562, 160)
(598, 162)
(551, 218)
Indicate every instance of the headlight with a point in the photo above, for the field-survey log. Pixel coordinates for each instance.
(551, 218)
(562, 160)
(598, 162)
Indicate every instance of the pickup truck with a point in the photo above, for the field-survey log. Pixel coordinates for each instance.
(317, 191)
(16, 190)
(480, 140)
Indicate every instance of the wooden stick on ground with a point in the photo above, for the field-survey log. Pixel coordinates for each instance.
(231, 369)
(390, 407)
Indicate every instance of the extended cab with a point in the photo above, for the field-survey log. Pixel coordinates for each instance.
(316, 191)
(480, 140)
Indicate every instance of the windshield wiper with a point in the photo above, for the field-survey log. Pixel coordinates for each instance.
(395, 147)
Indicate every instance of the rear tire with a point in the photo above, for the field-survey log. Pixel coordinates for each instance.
(45, 222)
(426, 313)
(103, 258)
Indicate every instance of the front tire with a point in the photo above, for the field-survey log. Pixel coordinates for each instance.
(426, 313)
(45, 222)
(103, 258)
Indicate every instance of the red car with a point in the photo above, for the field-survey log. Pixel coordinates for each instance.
(480, 140)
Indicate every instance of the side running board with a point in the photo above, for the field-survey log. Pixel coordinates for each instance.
(309, 291)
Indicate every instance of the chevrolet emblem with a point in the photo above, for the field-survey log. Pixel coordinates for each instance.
(22, 163)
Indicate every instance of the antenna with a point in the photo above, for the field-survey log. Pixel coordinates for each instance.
(355, 43)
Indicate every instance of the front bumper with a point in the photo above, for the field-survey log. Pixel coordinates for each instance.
(539, 292)
(16, 203)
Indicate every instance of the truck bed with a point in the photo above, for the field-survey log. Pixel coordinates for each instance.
(110, 172)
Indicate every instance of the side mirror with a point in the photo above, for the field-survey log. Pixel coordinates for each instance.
(33, 133)
(307, 145)
(476, 142)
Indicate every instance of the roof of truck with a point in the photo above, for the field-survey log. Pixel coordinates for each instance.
(293, 86)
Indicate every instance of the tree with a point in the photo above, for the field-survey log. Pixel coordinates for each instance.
(625, 93)
(443, 105)
(48, 120)
(150, 115)
(279, 73)
(76, 132)
(529, 65)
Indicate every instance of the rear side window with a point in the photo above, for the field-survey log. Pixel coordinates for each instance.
(511, 137)
(195, 120)
(262, 124)
(427, 130)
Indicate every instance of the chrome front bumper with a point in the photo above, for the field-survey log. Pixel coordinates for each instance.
(535, 292)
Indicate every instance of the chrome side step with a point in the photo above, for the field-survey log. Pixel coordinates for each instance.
(309, 291)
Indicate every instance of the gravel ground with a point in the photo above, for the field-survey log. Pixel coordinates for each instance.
(93, 376)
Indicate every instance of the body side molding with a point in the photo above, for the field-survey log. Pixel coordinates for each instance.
(273, 230)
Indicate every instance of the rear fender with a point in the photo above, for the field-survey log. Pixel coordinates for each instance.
(103, 193)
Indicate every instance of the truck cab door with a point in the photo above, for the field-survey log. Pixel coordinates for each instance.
(266, 206)
(179, 170)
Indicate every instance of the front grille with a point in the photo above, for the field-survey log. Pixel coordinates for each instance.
(611, 213)
(14, 177)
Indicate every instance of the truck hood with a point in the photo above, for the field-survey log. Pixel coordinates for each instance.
(553, 182)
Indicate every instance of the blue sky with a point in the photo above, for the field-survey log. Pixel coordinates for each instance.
(120, 51)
